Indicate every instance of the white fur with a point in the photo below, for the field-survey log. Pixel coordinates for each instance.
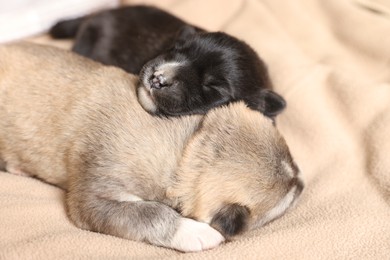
(167, 67)
(279, 209)
(287, 167)
(128, 197)
(192, 236)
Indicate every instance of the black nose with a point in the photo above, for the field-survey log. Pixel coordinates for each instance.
(158, 81)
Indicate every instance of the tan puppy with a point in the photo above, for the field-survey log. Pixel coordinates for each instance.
(77, 124)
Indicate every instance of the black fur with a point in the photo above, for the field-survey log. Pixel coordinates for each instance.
(67, 29)
(217, 68)
(231, 219)
(126, 37)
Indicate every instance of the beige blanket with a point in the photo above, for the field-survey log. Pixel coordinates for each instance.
(330, 60)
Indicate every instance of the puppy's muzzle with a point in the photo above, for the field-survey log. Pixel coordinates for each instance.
(158, 80)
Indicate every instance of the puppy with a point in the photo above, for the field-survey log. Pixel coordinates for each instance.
(185, 69)
(185, 183)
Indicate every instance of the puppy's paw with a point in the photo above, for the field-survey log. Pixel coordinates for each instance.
(192, 236)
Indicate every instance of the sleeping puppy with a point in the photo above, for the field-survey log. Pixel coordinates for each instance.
(186, 183)
(185, 70)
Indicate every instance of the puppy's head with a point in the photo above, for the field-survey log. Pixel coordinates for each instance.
(237, 172)
(205, 70)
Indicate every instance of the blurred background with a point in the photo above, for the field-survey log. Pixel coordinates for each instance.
(22, 18)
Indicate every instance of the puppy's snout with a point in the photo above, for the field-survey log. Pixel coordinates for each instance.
(163, 74)
(158, 80)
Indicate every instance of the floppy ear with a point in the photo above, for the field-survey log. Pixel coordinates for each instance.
(270, 103)
(231, 219)
(185, 32)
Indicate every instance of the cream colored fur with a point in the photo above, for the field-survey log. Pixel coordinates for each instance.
(78, 125)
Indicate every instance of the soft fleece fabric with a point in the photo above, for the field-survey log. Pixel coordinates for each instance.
(330, 60)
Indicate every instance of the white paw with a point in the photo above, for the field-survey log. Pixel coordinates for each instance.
(192, 236)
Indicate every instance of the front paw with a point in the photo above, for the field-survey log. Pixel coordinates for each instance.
(192, 236)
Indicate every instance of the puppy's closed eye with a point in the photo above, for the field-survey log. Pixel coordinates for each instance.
(214, 82)
(231, 219)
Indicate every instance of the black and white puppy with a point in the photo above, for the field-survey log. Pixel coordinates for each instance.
(183, 69)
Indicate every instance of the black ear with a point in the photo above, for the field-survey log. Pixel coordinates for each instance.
(270, 103)
(231, 219)
(185, 32)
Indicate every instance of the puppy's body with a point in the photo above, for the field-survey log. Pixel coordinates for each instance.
(185, 69)
(126, 37)
(128, 173)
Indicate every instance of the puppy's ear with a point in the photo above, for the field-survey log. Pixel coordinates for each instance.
(231, 219)
(270, 103)
(185, 32)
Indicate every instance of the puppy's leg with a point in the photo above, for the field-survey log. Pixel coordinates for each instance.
(148, 221)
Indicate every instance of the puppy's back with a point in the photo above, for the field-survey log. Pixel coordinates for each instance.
(58, 109)
(43, 94)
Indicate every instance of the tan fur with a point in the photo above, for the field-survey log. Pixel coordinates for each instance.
(77, 124)
(240, 165)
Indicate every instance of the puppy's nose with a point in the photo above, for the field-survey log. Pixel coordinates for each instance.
(158, 80)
